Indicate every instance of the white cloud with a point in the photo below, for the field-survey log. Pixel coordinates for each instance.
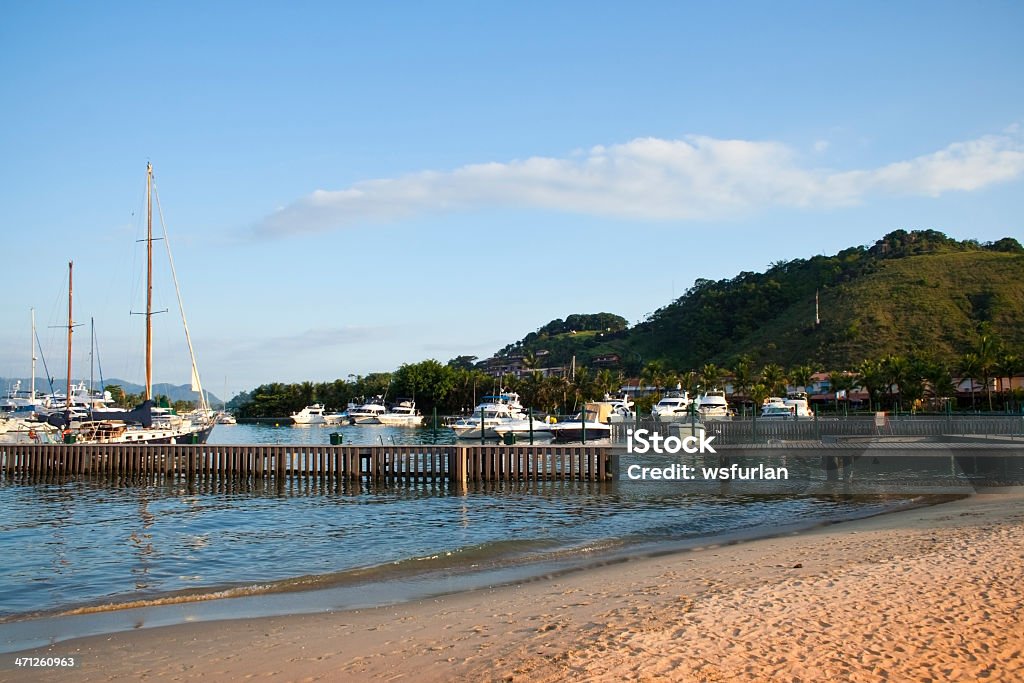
(695, 178)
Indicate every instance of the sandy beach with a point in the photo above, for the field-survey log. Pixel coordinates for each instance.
(929, 594)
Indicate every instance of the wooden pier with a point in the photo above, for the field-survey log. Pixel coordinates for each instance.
(456, 464)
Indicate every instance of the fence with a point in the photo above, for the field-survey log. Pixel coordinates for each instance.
(285, 462)
(761, 431)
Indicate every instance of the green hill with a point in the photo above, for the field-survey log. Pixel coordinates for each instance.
(911, 292)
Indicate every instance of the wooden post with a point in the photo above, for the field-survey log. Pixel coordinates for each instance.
(458, 468)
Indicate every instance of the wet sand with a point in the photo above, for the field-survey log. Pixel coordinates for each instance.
(928, 594)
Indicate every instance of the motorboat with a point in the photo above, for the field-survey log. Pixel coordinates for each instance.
(226, 418)
(794, 407)
(673, 406)
(713, 406)
(776, 411)
(494, 411)
(369, 412)
(798, 405)
(402, 414)
(588, 424)
(540, 428)
(21, 403)
(310, 415)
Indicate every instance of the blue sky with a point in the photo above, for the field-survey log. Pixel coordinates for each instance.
(350, 187)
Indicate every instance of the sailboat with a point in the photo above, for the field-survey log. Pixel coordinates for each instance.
(150, 424)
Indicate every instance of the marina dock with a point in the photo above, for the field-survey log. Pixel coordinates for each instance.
(456, 464)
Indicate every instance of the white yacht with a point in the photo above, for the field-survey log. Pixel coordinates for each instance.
(402, 414)
(797, 404)
(21, 403)
(495, 411)
(226, 418)
(368, 413)
(541, 428)
(673, 406)
(775, 408)
(310, 415)
(713, 406)
(794, 407)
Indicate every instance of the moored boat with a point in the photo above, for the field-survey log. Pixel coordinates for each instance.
(310, 415)
(369, 412)
(494, 411)
(673, 406)
(713, 406)
(590, 424)
(159, 425)
(402, 414)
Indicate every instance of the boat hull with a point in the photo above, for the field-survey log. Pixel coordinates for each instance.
(401, 420)
(159, 436)
(575, 432)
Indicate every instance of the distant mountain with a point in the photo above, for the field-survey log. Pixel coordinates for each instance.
(179, 392)
(911, 292)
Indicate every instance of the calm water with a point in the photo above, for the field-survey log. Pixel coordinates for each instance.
(91, 546)
(315, 434)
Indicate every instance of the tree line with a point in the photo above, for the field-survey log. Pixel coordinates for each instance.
(894, 382)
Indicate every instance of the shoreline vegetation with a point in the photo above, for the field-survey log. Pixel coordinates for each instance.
(916, 322)
(922, 594)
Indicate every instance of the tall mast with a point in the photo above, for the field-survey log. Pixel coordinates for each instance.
(92, 351)
(149, 281)
(33, 349)
(67, 401)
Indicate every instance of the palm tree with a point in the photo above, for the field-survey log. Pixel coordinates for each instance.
(608, 382)
(970, 367)
(774, 379)
(801, 375)
(896, 370)
(758, 393)
(532, 388)
(742, 377)
(553, 393)
(711, 375)
(307, 392)
(940, 384)
(840, 381)
(871, 377)
(988, 352)
(583, 385)
(653, 374)
(1008, 366)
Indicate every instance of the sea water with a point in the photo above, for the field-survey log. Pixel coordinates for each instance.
(100, 547)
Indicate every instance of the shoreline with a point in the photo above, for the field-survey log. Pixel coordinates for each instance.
(387, 585)
(955, 567)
